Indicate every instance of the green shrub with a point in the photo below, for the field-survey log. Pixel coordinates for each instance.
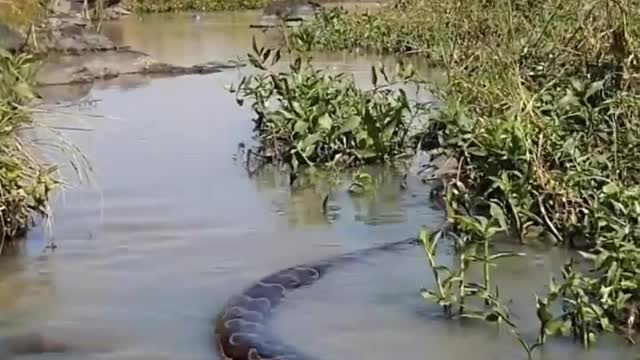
(307, 117)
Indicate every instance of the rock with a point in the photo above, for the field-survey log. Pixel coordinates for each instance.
(67, 69)
(69, 34)
(60, 7)
(289, 11)
(113, 10)
(9, 39)
(116, 12)
(66, 7)
(292, 9)
(77, 53)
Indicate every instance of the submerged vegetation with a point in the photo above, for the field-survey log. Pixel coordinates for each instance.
(541, 112)
(25, 182)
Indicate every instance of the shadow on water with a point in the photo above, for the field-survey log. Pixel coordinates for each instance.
(174, 227)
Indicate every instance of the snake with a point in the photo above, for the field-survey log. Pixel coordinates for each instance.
(241, 326)
(240, 329)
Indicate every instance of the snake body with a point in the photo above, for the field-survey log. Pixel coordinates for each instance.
(241, 329)
(241, 326)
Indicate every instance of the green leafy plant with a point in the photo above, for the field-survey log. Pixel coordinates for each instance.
(24, 182)
(472, 236)
(541, 113)
(306, 117)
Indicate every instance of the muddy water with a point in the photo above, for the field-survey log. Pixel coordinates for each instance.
(172, 227)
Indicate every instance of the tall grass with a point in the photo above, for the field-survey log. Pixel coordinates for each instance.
(542, 116)
(25, 183)
(26, 179)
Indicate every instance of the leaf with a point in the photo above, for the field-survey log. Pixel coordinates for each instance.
(349, 125)
(374, 76)
(24, 90)
(505, 255)
(308, 151)
(594, 87)
(498, 214)
(612, 272)
(254, 45)
(440, 268)
(587, 256)
(389, 130)
(265, 55)
(365, 154)
(276, 57)
(567, 100)
(473, 315)
(309, 141)
(297, 109)
(426, 237)
(610, 189)
(4, 53)
(558, 326)
(300, 127)
(430, 295)
(325, 122)
(474, 150)
(297, 64)
(255, 62)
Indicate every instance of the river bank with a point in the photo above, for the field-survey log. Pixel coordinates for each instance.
(73, 50)
(537, 118)
(25, 181)
(177, 227)
(59, 47)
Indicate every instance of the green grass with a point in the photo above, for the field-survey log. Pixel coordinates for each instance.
(147, 6)
(25, 182)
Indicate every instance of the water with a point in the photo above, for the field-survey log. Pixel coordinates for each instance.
(173, 227)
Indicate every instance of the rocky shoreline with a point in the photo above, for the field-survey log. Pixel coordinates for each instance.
(73, 51)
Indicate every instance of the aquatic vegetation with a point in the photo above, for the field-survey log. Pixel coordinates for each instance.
(200, 5)
(336, 29)
(25, 182)
(454, 289)
(307, 117)
(542, 115)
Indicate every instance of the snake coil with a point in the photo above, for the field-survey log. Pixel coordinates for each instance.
(240, 329)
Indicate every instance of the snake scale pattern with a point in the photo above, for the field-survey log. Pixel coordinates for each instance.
(240, 329)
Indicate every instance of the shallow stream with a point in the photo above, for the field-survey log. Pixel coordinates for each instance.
(173, 227)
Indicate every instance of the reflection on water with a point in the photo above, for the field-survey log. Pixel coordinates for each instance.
(174, 227)
(217, 36)
(76, 92)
